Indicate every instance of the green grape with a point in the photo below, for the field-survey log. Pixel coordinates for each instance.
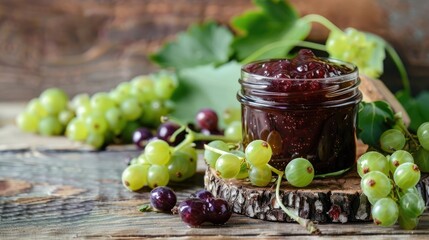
(83, 111)
(96, 123)
(375, 185)
(411, 205)
(392, 140)
(27, 122)
(211, 157)
(231, 115)
(146, 85)
(50, 126)
(76, 130)
(165, 86)
(153, 111)
(385, 212)
(233, 131)
(134, 161)
(80, 100)
(35, 107)
(244, 171)
(372, 161)
(192, 158)
(131, 109)
(178, 166)
(258, 153)
(102, 102)
(228, 165)
(406, 175)
(142, 159)
(260, 175)
(421, 158)
(54, 100)
(299, 172)
(158, 152)
(95, 139)
(407, 223)
(115, 120)
(139, 95)
(124, 88)
(158, 176)
(399, 157)
(135, 176)
(118, 96)
(423, 135)
(65, 116)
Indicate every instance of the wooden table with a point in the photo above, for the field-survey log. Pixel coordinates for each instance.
(53, 189)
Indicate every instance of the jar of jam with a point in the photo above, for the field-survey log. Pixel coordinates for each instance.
(303, 107)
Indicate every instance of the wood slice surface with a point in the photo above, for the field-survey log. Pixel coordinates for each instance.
(333, 199)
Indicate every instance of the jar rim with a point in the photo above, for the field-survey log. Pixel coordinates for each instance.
(245, 74)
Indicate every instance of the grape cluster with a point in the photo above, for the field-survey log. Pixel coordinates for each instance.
(204, 207)
(104, 117)
(158, 164)
(253, 164)
(389, 182)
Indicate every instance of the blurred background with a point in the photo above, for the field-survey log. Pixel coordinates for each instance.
(92, 45)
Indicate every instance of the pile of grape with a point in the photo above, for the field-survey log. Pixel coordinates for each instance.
(105, 117)
(253, 164)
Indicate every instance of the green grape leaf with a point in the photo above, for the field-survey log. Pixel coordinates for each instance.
(373, 119)
(417, 108)
(199, 45)
(275, 21)
(206, 86)
(145, 208)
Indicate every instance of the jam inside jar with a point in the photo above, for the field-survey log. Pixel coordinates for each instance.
(303, 107)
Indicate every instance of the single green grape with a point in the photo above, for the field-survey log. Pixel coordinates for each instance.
(50, 126)
(158, 152)
(258, 152)
(35, 107)
(372, 161)
(134, 177)
(392, 140)
(118, 96)
(399, 157)
(96, 123)
(411, 205)
(83, 111)
(131, 109)
(233, 131)
(165, 86)
(385, 212)
(95, 139)
(299, 172)
(76, 130)
(260, 176)
(65, 116)
(421, 158)
(178, 166)
(153, 111)
(142, 159)
(228, 165)
(375, 185)
(115, 120)
(102, 102)
(80, 100)
(211, 157)
(423, 135)
(158, 176)
(53, 100)
(407, 223)
(192, 158)
(146, 86)
(231, 115)
(406, 175)
(27, 122)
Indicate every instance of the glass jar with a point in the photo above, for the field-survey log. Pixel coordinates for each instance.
(310, 118)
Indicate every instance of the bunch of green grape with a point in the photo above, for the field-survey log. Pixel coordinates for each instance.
(158, 164)
(253, 164)
(389, 182)
(358, 48)
(104, 117)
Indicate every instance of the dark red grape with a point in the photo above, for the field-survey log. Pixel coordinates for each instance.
(193, 211)
(219, 211)
(203, 195)
(141, 137)
(207, 118)
(167, 129)
(163, 199)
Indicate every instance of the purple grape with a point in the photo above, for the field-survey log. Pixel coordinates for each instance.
(141, 137)
(193, 211)
(203, 195)
(163, 199)
(218, 210)
(167, 129)
(206, 118)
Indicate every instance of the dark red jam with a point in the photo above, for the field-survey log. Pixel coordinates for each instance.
(304, 107)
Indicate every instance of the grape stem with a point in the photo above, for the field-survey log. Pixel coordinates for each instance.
(322, 20)
(332, 174)
(306, 223)
(207, 147)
